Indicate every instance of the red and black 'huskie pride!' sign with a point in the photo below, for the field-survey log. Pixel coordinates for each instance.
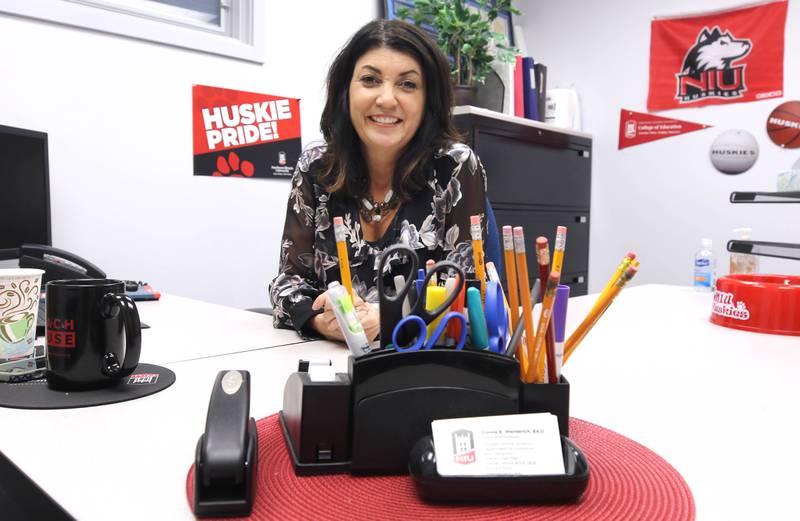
(722, 57)
(244, 134)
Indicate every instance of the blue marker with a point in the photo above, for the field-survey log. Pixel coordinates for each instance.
(420, 281)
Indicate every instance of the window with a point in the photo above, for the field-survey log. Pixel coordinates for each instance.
(232, 28)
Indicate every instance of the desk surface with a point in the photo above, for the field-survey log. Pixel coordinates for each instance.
(186, 329)
(654, 369)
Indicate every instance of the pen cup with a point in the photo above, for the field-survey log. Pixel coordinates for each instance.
(552, 398)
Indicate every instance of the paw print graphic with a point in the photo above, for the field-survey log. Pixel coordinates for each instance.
(232, 167)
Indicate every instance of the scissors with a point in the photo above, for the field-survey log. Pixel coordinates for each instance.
(391, 306)
(421, 342)
(496, 317)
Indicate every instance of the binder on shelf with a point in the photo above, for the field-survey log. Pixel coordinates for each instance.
(519, 103)
(529, 95)
(540, 71)
(765, 197)
(781, 250)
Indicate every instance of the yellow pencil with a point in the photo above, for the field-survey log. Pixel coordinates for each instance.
(511, 281)
(602, 305)
(558, 249)
(340, 232)
(477, 252)
(623, 265)
(536, 369)
(525, 297)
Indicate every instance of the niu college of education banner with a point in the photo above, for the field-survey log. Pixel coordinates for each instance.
(722, 57)
(244, 134)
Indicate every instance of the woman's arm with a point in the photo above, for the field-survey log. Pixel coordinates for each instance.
(466, 193)
(295, 288)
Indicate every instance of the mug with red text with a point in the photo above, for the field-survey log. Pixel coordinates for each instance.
(93, 333)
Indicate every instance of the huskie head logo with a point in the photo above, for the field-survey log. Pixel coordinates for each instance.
(708, 70)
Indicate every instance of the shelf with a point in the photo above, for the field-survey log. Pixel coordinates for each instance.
(477, 111)
(781, 250)
(765, 197)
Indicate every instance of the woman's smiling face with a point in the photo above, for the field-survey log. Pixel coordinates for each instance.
(387, 100)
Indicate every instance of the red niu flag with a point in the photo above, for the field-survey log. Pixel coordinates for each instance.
(636, 128)
(722, 57)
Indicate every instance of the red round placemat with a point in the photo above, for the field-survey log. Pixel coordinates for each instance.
(626, 481)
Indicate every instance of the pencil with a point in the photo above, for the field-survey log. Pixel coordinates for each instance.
(543, 260)
(517, 335)
(511, 279)
(525, 297)
(558, 265)
(536, 369)
(623, 265)
(477, 252)
(428, 268)
(591, 319)
(340, 232)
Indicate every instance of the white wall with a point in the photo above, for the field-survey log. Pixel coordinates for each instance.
(659, 198)
(118, 115)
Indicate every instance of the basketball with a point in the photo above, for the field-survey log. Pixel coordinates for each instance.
(783, 125)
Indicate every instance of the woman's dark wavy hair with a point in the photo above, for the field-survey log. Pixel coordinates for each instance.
(343, 168)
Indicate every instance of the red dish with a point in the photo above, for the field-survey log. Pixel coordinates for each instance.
(762, 303)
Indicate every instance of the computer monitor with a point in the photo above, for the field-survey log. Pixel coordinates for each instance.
(24, 190)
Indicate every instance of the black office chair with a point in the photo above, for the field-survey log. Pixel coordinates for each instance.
(493, 250)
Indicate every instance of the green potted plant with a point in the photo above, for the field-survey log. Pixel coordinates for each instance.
(467, 36)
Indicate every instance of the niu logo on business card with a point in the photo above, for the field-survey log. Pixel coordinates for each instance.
(464, 447)
(143, 379)
(707, 69)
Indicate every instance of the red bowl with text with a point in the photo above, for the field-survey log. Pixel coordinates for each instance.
(762, 303)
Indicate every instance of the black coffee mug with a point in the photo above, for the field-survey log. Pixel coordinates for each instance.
(94, 335)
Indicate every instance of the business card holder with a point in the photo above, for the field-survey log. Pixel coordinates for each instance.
(546, 488)
(368, 420)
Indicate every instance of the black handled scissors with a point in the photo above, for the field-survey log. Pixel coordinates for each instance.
(391, 306)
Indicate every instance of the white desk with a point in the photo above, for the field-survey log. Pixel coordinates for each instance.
(185, 329)
(654, 369)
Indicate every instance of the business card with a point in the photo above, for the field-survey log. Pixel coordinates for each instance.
(512, 445)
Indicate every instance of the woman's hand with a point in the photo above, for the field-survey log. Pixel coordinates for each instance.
(326, 325)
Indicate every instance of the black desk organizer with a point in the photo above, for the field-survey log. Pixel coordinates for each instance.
(368, 420)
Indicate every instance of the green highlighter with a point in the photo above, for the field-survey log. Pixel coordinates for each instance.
(477, 320)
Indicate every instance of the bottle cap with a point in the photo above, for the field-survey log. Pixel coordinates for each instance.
(706, 243)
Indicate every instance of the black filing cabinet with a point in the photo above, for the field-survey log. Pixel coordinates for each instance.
(539, 177)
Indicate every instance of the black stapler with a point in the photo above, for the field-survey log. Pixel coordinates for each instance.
(227, 452)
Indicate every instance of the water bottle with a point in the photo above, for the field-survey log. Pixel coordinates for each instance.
(705, 267)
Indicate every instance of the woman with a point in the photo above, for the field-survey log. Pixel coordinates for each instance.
(391, 166)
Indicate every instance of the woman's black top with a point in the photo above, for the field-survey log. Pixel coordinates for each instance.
(435, 222)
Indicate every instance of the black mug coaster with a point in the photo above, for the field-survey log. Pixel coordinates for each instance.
(145, 380)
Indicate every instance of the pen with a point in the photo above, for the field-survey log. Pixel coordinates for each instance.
(513, 344)
(340, 232)
(428, 268)
(477, 251)
(559, 325)
(477, 320)
(420, 281)
(536, 369)
(525, 297)
(492, 275)
(511, 277)
(454, 326)
(399, 281)
(594, 315)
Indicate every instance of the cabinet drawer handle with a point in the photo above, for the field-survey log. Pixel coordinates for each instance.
(581, 219)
